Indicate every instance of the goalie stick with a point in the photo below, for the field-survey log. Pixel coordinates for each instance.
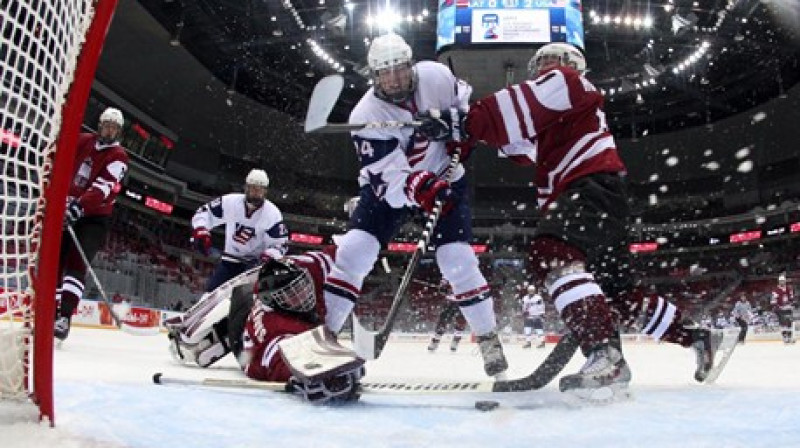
(539, 378)
(369, 344)
(323, 99)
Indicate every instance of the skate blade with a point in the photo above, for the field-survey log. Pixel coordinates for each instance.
(599, 396)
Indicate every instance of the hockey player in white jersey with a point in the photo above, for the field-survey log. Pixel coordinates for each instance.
(254, 229)
(401, 172)
(533, 316)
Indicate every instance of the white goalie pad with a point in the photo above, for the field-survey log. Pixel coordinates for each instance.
(315, 355)
(194, 338)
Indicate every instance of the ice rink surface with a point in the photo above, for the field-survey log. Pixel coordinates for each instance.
(105, 398)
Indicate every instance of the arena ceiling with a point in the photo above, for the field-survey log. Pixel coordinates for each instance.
(663, 64)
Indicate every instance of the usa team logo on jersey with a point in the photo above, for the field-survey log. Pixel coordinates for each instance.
(243, 233)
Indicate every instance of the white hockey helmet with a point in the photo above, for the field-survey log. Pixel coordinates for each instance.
(566, 55)
(255, 196)
(392, 51)
(387, 51)
(257, 177)
(113, 115)
(531, 289)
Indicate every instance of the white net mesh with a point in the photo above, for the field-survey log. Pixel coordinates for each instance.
(39, 46)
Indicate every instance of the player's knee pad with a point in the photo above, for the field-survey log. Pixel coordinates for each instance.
(356, 254)
(459, 266)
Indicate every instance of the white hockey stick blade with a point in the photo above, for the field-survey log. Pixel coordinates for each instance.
(730, 339)
(323, 99)
(363, 340)
(140, 331)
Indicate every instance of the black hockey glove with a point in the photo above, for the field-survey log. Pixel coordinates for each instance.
(338, 389)
(74, 212)
(448, 124)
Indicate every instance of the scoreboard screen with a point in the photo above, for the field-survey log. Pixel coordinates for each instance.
(478, 22)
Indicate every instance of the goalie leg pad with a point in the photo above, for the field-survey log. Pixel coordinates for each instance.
(316, 355)
(213, 347)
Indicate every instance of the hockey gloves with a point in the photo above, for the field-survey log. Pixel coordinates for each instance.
(338, 389)
(423, 188)
(448, 124)
(74, 212)
(201, 240)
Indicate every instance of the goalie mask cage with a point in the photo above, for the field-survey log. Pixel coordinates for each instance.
(48, 54)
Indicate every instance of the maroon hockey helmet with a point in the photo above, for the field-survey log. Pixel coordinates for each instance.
(283, 285)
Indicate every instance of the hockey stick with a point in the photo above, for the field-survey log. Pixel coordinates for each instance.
(539, 378)
(324, 97)
(77, 243)
(369, 344)
(114, 316)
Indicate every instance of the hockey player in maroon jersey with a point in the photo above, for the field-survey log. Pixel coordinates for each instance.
(782, 301)
(266, 308)
(100, 165)
(555, 122)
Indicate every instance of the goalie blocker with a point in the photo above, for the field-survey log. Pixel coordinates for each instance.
(269, 317)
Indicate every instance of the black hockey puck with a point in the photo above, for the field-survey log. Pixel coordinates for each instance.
(157, 378)
(486, 405)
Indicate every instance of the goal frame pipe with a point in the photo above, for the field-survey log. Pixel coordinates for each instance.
(55, 194)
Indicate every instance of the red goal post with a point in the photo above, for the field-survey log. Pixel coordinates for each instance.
(48, 55)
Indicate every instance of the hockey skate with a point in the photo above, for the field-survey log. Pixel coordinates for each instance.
(603, 378)
(454, 344)
(61, 328)
(713, 349)
(433, 345)
(494, 361)
(527, 344)
(541, 343)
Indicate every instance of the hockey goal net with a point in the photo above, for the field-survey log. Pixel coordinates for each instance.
(48, 55)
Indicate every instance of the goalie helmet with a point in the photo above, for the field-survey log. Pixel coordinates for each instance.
(564, 54)
(284, 286)
(389, 60)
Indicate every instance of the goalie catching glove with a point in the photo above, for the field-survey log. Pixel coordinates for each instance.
(323, 371)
